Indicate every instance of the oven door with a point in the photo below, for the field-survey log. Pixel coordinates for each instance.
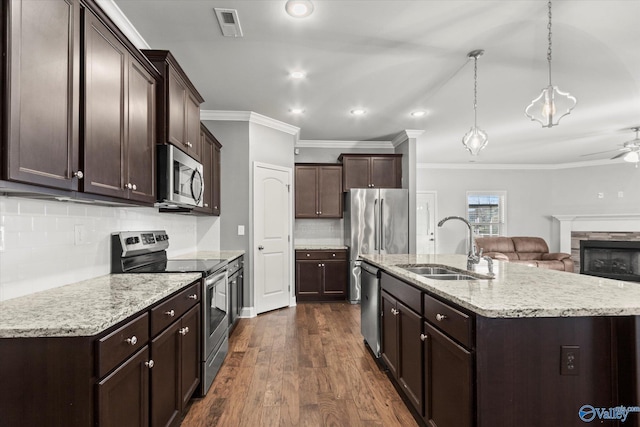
(216, 311)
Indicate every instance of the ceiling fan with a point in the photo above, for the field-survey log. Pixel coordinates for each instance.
(630, 150)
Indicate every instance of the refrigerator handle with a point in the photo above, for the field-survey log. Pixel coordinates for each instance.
(381, 224)
(375, 225)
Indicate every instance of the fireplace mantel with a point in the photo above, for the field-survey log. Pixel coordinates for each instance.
(594, 222)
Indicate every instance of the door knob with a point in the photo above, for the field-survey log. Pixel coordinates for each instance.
(260, 247)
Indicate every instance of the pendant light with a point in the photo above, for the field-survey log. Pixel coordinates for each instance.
(476, 139)
(552, 104)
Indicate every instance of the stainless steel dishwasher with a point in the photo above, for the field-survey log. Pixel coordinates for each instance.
(370, 307)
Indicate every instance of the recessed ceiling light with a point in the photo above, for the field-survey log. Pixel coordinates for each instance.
(358, 112)
(297, 110)
(297, 74)
(299, 8)
(418, 113)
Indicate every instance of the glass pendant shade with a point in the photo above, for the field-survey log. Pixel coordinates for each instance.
(475, 140)
(632, 157)
(550, 106)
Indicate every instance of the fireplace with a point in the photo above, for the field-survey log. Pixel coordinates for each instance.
(613, 259)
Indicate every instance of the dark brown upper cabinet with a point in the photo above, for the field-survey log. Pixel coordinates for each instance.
(42, 99)
(120, 138)
(210, 158)
(318, 190)
(178, 105)
(371, 171)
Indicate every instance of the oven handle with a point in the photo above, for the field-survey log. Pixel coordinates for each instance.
(210, 280)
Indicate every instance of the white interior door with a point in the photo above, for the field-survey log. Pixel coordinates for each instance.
(272, 227)
(426, 222)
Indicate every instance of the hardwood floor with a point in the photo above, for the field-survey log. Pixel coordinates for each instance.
(300, 366)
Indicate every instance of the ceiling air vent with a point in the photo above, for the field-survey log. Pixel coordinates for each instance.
(229, 22)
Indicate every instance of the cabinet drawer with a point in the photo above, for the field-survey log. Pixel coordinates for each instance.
(407, 294)
(339, 254)
(121, 343)
(449, 320)
(171, 310)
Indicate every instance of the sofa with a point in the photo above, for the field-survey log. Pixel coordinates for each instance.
(524, 250)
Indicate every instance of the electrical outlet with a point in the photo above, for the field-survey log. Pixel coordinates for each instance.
(600, 195)
(241, 230)
(570, 360)
(80, 234)
(620, 194)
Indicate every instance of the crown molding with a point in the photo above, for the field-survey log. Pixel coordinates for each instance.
(486, 166)
(249, 116)
(406, 135)
(318, 143)
(122, 22)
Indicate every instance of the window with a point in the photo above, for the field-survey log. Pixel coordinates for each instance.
(486, 212)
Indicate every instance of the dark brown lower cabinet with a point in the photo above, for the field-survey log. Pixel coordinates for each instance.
(448, 381)
(402, 347)
(176, 371)
(123, 395)
(321, 275)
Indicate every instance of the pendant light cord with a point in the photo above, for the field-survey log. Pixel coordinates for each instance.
(549, 37)
(475, 91)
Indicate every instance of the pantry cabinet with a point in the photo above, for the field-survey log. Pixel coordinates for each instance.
(318, 190)
(371, 171)
(178, 105)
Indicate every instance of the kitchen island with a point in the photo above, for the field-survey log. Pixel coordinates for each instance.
(530, 347)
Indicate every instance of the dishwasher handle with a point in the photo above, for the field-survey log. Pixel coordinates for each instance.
(370, 269)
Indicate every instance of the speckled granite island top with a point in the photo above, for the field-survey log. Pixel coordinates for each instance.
(519, 290)
(89, 307)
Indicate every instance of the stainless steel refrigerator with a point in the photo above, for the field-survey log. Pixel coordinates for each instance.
(376, 221)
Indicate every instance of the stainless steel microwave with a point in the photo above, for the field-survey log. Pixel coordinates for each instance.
(180, 182)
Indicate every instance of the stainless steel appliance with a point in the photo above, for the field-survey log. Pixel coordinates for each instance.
(180, 183)
(376, 221)
(145, 252)
(370, 307)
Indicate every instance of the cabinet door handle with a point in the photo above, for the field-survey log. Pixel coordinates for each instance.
(194, 296)
(149, 364)
(133, 340)
(184, 331)
(78, 174)
(423, 337)
(440, 317)
(170, 313)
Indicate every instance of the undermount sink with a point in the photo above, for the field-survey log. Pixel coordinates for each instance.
(439, 272)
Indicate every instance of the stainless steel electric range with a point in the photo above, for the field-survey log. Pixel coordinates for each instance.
(146, 252)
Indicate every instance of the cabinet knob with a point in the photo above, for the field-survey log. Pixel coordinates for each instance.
(128, 186)
(395, 312)
(184, 331)
(194, 296)
(78, 174)
(334, 254)
(308, 254)
(135, 187)
(170, 313)
(260, 247)
(206, 205)
(440, 317)
(215, 207)
(149, 364)
(423, 337)
(133, 340)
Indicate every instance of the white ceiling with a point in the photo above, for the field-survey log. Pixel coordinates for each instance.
(393, 57)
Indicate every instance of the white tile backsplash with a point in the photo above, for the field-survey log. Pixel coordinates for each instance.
(319, 232)
(38, 247)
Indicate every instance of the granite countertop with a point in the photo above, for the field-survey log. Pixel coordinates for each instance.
(520, 290)
(89, 307)
(306, 247)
